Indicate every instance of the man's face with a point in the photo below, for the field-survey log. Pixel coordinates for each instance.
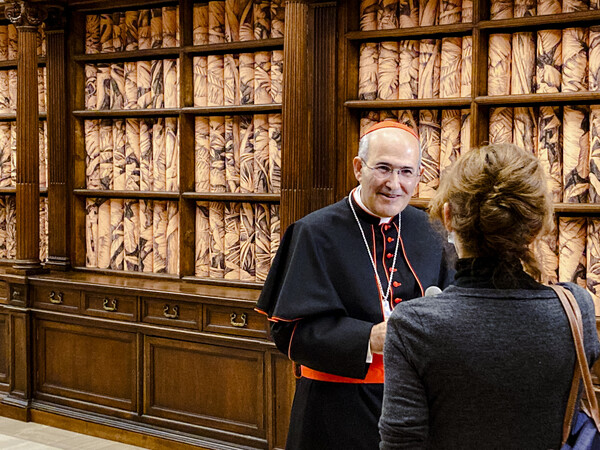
(388, 195)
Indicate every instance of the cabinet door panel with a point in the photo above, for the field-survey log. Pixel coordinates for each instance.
(87, 364)
(4, 343)
(205, 385)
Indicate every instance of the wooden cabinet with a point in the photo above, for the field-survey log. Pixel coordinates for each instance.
(189, 362)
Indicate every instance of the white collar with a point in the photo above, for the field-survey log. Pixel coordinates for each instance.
(356, 196)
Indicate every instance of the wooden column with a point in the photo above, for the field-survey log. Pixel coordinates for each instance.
(27, 17)
(58, 206)
(296, 159)
(323, 104)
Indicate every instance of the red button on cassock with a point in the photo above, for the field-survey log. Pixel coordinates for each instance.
(393, 269)
(386, 227)
(390, 239)
(397, 300)
(389, 256)
(396, 283)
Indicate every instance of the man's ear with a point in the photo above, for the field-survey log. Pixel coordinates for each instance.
(357, 164)
(447, 216)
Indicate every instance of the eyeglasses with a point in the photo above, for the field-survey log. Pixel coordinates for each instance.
(383, 171)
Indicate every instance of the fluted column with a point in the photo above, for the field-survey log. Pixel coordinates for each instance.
(27, 17)
(296, 158)
(58, 210)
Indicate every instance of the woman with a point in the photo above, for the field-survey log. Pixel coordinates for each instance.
(488, 362)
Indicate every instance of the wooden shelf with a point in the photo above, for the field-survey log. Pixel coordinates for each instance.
(235, 47)
(13, 63)
(127, 113)
(158, 195)
(232, 109)
(557, 21)
(232, 197)
(9, 117)
(132, 55)
(417, 103)
(559, 98)
(93, 6)
(421, 203)
(13, 191)
(435, 31)
(163, 276)
(223, 282)
(576, 209)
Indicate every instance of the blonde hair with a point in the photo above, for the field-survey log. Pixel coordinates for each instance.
(499, 202)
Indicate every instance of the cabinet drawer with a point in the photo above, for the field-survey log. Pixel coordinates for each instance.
(170, 313)
(110, 306)
(233, 320)
(56, 298)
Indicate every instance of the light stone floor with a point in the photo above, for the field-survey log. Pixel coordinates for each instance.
(15, 434)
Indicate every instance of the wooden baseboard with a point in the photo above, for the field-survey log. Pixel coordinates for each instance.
(107, 432)
(15, 412)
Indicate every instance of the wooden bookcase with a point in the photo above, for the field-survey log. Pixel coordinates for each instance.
(156, 358)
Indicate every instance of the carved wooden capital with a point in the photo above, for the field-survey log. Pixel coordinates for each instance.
(25, 14)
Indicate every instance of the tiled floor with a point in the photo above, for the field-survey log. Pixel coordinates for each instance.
(15, 434)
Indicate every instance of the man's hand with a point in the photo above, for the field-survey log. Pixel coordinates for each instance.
(378, 337)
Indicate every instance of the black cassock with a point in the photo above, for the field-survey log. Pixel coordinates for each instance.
(322, 298)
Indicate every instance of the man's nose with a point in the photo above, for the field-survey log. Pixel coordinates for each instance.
(395, 180)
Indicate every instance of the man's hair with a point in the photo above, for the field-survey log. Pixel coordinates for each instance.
(499, 203)
(364, 142)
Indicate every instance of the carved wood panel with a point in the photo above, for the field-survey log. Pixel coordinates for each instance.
(86, 364)
(207, 385)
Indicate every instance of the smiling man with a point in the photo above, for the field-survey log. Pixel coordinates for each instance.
(337, 276)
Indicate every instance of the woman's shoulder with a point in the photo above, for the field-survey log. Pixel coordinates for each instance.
(583, 297)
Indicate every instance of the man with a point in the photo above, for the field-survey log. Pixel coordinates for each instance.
(337, 276)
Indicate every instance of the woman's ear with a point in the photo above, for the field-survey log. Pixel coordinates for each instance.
(447, 216)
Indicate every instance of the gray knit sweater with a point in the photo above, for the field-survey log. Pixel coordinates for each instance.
(475, 368)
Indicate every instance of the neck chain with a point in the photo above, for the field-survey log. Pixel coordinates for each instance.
(372, 258)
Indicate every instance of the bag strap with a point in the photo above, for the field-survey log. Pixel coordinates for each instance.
(582, 370)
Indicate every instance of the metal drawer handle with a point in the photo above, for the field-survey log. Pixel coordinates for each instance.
(113, 306)
(55, 298)
(174, 314)
(242, 323)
